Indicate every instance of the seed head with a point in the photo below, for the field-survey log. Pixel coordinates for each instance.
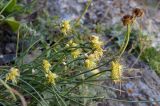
(137, 12)
(127, 19)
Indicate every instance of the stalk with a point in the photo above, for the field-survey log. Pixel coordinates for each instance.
(84, 12)
(126, 41)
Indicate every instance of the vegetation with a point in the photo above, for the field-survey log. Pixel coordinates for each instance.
(69, 58)
(152, 57)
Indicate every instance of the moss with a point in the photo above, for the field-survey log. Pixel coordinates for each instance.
(152, 57)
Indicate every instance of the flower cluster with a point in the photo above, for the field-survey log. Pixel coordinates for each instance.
(65, 27)
(116, 73)
(90, 63)
(97, 46)
(96, 43)
(75, 52)
(12, 75)
(93, 58)
(49, 75)
(129, 19)
(46, 66)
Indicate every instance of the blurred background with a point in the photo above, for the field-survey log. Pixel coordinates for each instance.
(110, 12)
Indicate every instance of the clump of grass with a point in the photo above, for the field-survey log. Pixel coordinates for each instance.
(152, 57)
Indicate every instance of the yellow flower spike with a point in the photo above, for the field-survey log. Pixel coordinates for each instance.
(116, 72)
(74, 44)
(91, 57)
(96, 43)
(65, 27)
(98, 54)
(51, 77)
(76, 53)
(46, 66)
(12, 75)
(94, 38)
(70, 42)
(90, 64)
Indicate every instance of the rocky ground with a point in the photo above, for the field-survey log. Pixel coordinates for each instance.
(139, 84)
(110, 12)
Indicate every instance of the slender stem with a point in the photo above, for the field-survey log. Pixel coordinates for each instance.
(83, 81)
(17, 45)
(56, 43)
(23, 101)
(5, 7)
(142, 46)
(9, 88)
(35, 91)
(126, 41)
(84, 12)
(68, 98)
(54, 90)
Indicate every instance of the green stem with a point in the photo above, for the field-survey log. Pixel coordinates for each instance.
(54, 90)
(9, 89)
(5, 7)
(142, 47)
(35, 91)
(17, 45)
(126, 41)
(83, 81)
(84, 12)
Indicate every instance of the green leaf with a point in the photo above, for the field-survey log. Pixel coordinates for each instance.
(13, 23)
(10, 5)
(18, 8)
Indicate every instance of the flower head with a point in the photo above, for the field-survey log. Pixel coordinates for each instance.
(90, 64)
(91, 57)
(94, 38)
(98, 53)
(46, 65)
(65, 27)
(51, 77)
(127, 19)
(76, 53)
(96, 43)
(116, 72)
(13, 74)
(137, 12)
(70, 42)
